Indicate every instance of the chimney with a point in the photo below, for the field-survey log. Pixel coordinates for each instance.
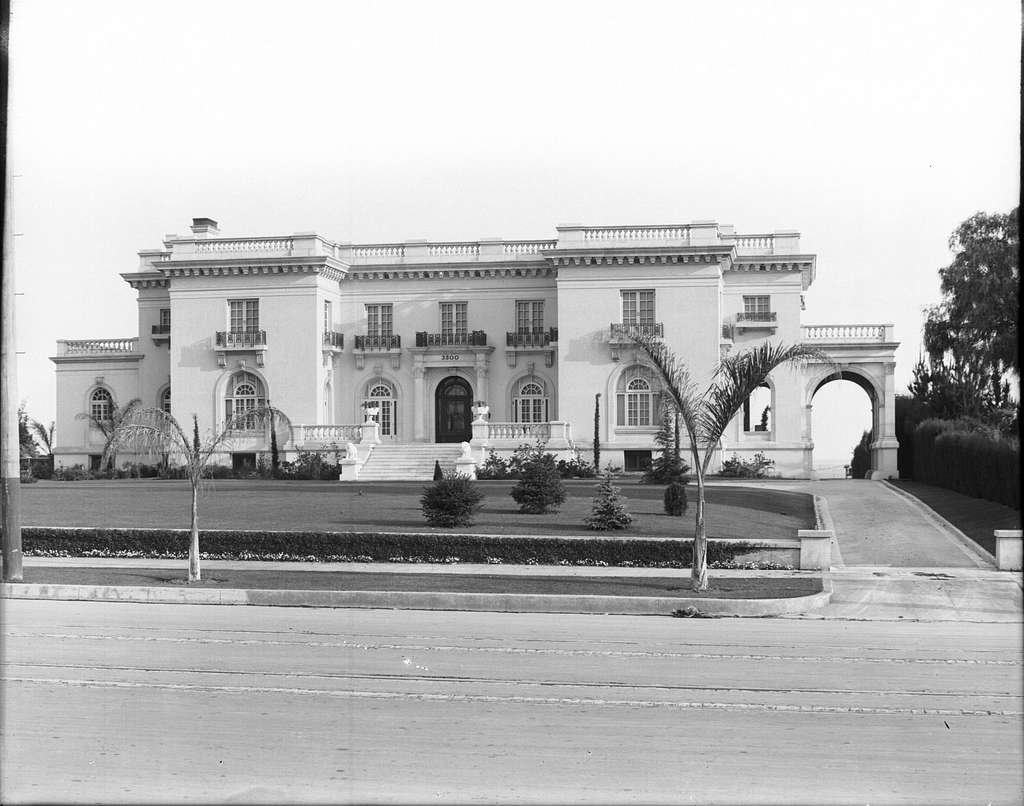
(204, 227)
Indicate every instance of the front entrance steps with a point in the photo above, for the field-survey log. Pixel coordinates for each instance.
(409, 461)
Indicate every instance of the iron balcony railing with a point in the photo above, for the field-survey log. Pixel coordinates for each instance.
(623, 330)
(333, 338)
(535, 339)
(161, 330)
(241, 339)
(475, 338)
(372, 341)
(762, 316)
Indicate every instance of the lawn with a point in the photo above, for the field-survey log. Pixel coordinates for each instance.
(748, 513)
(975, 517)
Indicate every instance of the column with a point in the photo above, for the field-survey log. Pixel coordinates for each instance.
(884, 449)
(419, 402)
(482, 390)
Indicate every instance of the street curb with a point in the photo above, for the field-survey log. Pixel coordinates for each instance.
(423, 600)
(980, 556)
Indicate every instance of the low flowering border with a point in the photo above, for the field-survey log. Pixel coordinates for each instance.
(383, 547)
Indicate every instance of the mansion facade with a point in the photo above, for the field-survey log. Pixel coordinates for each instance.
(402, 352)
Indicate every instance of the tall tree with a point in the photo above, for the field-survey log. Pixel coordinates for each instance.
(705, 416)
(28, 447)
(977, 318)
(154, 431)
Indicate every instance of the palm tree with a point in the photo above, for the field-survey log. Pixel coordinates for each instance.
(154, 431)
(108, 426)
(706, 416)
(43, 434)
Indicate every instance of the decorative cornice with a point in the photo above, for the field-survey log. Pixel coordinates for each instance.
(639, 258)
(148, 279)
(450, 272)
(328, 267)
(760, 264)
(97, 358)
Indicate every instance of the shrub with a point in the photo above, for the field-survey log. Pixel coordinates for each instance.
(756, 468)
(452, 500)
(860, 464)
(72, 473)
(438, 473)
(540, 488)
(609, 511)
(217, 472)
(494, 467)
(575, 468)
(675, 498)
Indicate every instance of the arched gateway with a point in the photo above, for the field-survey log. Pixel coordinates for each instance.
(865, 355)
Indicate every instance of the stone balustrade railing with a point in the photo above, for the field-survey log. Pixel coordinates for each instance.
(379, 251)
(657, 233)
(845, 333)
(339, 434)
(526, 432)
(226, 246)
(465, 249)
(759, 243)
(95, 346)
(527, 247)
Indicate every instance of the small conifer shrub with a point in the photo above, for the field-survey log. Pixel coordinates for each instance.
(438, 473)
(675, 498)
(609, 511)
(540, 487)
(452, 500)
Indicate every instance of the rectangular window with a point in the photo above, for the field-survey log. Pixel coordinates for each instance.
(165, 317)
(756, 306)
(638, 307)
(328, 316)
(530, 316)
(379, 320)
(244, 315)
(454, 319)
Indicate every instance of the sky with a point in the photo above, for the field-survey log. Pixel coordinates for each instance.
(873, 128)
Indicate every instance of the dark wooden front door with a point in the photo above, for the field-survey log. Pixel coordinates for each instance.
(453, 404)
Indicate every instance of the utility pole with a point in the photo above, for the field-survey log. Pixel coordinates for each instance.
(10, 444)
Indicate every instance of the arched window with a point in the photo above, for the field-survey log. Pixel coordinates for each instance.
(381, 394)
(757, 409)
(530, 402)
(101, 404)
(245, 393)
(637, 398)
(165, 401)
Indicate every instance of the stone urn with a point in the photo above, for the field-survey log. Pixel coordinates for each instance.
(369, 412)
(480, 411)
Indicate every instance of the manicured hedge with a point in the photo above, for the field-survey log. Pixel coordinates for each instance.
(371, 547)
(970, 462)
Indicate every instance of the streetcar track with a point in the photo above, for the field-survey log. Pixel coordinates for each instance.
(506, 681)
(514, 699)
(513, 650)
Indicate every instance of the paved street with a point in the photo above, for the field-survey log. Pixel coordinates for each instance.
(135, 703)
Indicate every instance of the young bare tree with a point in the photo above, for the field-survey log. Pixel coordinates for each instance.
(705, 416)
(155, 432)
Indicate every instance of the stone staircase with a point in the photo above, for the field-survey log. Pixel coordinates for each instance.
(409, 462)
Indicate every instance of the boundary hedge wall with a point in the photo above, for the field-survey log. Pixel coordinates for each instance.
(948, 454)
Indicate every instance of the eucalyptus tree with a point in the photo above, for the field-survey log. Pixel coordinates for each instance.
(706, 415)
(155, 432)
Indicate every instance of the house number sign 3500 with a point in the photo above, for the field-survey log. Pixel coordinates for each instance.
(451, 357)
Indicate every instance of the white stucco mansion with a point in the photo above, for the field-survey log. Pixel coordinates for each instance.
(399, 352)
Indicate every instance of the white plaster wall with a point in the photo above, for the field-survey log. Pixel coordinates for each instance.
(155, 368)
(686, 301)
(491, 308)
(291, 318)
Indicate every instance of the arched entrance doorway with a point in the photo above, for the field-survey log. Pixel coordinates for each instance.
(843, 408)
(883, 444)
(453, 403)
